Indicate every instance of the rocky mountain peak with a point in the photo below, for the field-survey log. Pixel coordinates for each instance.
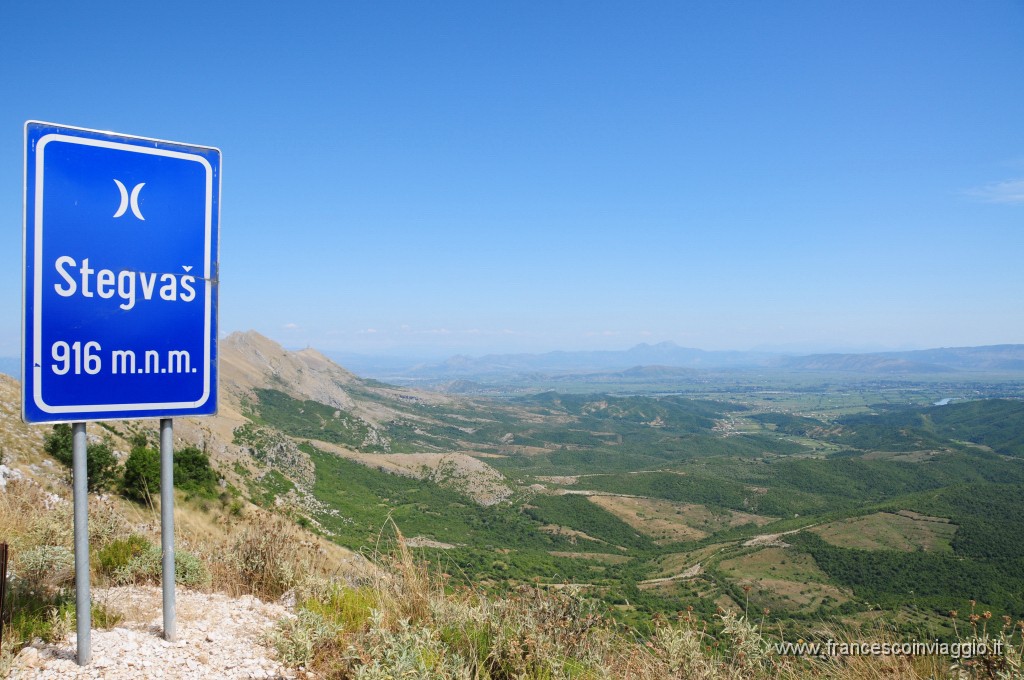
(250, 360)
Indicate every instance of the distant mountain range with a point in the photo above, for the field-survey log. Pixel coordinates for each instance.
(988, 359)
(667, 357)
(661, 354)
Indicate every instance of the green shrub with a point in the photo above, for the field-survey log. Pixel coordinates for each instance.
(190, 571)
(100, 462)
(120, 553)
(50, 565)
(146, 566)
(101, 466)
(139, 440)
(141, 479)
(58, 443)
(410, 651)
(31, 613)
(301, 639)
(345, 608)
(192, 472)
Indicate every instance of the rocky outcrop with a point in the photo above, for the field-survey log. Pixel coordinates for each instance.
(249, 360)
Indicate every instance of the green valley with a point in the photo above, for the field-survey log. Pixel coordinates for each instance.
(817, 505)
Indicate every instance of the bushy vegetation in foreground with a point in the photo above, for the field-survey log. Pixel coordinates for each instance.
(394, 616)
(255, 553)
(506, 611)
(139, 478)
(405, 621)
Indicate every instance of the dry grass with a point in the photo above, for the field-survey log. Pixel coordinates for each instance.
(38, 527)
(254, 553)
(260, 553)
(405, 621)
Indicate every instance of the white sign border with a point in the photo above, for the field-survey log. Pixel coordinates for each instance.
(37, 340)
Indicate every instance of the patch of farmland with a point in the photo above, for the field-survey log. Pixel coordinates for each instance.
(672, 522)
(890, 531)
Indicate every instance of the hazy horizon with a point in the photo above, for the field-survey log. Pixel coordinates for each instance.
(442, 352)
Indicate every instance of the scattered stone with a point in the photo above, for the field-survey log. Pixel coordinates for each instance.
(219, 637)
(8, 473)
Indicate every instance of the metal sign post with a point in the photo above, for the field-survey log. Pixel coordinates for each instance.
(167, 524)
(80, 481)
(120, 305)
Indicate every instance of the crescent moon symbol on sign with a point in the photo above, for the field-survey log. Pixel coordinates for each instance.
(133, 201)
(124, 199)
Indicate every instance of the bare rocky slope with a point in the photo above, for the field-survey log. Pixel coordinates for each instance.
(250, 361)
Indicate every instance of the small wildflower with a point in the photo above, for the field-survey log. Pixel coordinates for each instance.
(952, 613)
(987, 615)
(767, 611)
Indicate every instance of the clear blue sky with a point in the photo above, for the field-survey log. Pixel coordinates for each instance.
(441, 177)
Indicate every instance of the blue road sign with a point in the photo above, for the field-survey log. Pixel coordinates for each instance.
(120, 276)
